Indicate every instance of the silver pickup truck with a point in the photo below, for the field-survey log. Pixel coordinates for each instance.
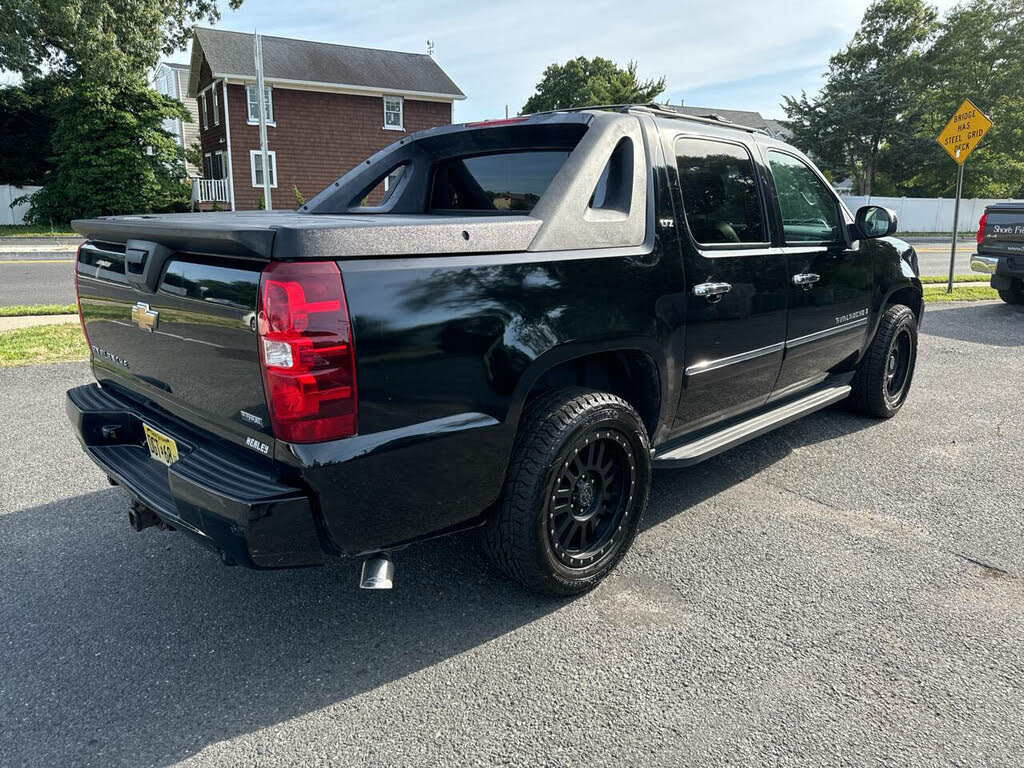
(1001, 250)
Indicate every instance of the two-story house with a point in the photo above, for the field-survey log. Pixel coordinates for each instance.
(328, 108)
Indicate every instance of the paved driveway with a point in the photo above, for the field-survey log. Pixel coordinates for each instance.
(839, 592)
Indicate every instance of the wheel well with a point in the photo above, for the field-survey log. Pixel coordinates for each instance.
(630, 374)
(910, 297)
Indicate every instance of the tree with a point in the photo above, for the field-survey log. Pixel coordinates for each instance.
(26, 130)
(110, 152)
(978, 54)
(581, 82)
(870, 89)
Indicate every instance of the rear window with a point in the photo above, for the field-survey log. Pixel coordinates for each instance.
(720, 194)
(502, 182)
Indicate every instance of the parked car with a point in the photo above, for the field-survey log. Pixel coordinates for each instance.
(1001, 250)
(503, 324)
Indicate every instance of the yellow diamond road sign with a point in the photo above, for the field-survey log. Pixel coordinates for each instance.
(963, 131)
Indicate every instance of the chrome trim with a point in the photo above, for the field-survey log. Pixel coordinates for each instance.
(826, 333)
(714, 365)
(807, 279)
(984, 264)
(708, 290)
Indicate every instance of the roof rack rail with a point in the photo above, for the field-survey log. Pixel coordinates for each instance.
(662, 110)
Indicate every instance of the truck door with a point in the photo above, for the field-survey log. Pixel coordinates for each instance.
(830, 281)
(736, 283)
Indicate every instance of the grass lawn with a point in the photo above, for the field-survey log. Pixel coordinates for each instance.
(960, 293)
(42, 344)
(972, 278)
(29, 310)
(36, 230)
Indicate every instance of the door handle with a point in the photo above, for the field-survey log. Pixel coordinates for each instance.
(807, 279)
(712, 291)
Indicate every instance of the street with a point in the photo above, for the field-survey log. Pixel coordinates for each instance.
(839, 592)
(46, 277)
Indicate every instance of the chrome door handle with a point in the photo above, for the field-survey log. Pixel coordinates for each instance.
(712, 291)
(806, 280)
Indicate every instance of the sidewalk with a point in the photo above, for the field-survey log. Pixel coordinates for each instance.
(14, 323)
(39, 244)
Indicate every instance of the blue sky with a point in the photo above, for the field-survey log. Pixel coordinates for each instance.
(739, 54)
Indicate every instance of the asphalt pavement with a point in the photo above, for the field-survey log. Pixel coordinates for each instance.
(840, 592)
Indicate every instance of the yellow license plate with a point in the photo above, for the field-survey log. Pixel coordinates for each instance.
(161, 447)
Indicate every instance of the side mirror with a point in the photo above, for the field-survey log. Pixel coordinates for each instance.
(875, 221)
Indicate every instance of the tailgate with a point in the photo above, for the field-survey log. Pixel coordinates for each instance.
(179, 330)
(1004, 231)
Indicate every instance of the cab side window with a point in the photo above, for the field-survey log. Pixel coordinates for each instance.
(720, 195)
(810, 213)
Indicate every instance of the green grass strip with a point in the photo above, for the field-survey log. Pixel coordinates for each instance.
(933, 293)
(33, 310)
(42, 344)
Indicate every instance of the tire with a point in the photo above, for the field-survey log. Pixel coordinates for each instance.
(1014, 294)
(559, 535)
(883, 377)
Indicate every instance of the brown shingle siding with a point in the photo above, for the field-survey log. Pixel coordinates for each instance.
(318, 137)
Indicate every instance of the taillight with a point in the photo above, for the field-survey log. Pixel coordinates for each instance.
(981, 227)
(78, 297)
(306, 352)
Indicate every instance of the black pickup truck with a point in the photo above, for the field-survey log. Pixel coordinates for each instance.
(1001, 250)
(502, 324)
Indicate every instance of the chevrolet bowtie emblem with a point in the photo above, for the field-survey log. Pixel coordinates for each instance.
(144, 317)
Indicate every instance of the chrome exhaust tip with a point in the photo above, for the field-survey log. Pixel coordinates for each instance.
(378, 572)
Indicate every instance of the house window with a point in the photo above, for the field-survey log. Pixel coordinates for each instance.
(393, 118)
(207, 166)
(202, 111)
(218, 165)
(252, 100)
(256, 166)
(216, 108)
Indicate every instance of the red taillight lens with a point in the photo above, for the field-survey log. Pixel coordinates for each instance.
(309, 367)
(78, 298)
(981, 227)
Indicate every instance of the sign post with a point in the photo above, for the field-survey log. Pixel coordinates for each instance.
(961, 135)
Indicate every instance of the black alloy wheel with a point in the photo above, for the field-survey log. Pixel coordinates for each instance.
(590, 497)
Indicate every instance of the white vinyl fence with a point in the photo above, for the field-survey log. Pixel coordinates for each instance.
(9, 212)
(926, 214)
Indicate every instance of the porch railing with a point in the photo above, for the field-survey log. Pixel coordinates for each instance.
(210, 191)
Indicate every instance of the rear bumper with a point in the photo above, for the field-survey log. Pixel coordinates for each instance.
(228, 502)
(1003, 269)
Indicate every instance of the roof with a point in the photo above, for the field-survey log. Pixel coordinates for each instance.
(173, 65)
(750, 119)
(230, 55)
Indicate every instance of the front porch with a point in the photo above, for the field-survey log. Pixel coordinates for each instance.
(208, 194)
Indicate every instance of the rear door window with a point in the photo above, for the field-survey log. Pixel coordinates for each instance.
(720, 195)
(503, 182)
(810, 213)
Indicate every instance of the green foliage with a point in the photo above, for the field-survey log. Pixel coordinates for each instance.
(34, 310)
(581, 82)
(42, 344)
(299, 199)
(112, 156)
(26, 124)
(871, 86)
(893, 88)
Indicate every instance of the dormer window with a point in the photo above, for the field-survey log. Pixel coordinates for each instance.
(393, 117)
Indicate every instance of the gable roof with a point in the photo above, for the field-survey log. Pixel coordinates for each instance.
(230, 55)
(747, 118)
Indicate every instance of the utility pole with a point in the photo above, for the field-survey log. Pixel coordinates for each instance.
(262, 105)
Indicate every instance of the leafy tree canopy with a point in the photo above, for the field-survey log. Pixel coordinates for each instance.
(581, 82)
(27, 125)
(892, 89)
(110, 153)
